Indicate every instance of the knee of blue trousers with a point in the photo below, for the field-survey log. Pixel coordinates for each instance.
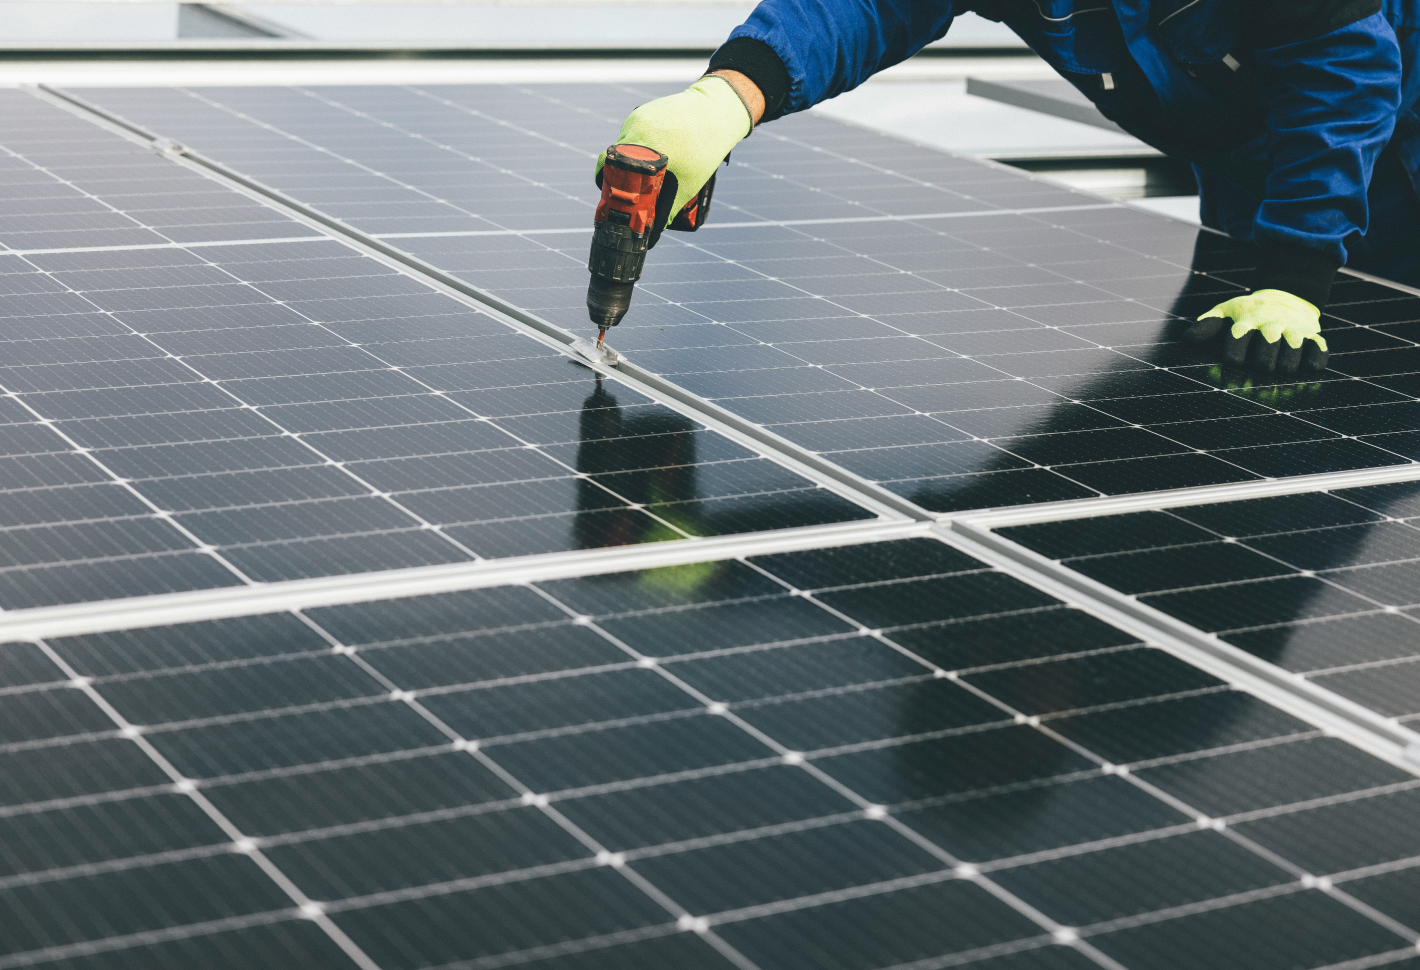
(1222, 205)
(1391, 246)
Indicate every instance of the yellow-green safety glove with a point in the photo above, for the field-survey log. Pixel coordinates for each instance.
(695, 130)
(1289, 326)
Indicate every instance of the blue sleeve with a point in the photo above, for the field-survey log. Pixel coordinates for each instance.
(832, 46)
(1331, 103)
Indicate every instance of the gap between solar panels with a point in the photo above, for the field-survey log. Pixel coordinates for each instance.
(134, 612)
(1318, 706)
(1323, 708)
(1335, 715)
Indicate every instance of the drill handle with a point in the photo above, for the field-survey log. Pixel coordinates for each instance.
(691, 216)
(694, 213)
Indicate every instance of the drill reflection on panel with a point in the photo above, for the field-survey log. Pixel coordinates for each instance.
(649, 460)
(637, 193)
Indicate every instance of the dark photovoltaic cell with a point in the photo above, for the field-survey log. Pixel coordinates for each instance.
(928, 327)
(180, 418)
(1324, 584)
(814, 759)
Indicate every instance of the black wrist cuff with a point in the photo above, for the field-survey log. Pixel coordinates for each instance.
(1299, 270)
(757, 61)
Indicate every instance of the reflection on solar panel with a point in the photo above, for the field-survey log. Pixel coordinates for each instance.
(799, 760)
(1322, 584)
(773, 750)
(930, 328)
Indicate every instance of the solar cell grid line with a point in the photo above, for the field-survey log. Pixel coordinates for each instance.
(116, 538)
(1317, 583)
(852, 582)
(57, 197)
(147, 246)
(1056, 388)
(283, 884)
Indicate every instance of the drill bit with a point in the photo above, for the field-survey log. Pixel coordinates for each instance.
(601, 337)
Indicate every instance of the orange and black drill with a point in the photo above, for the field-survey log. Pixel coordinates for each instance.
(637, 194)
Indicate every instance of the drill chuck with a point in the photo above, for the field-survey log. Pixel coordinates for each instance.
(608, 301)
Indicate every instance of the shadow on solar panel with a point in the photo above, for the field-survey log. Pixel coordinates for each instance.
(1149, 412)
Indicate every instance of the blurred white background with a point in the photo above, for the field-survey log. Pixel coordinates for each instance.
(519, 23)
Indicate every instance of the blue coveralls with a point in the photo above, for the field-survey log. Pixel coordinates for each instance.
(1311, 145)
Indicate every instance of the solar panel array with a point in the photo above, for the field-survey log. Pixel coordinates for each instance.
(853, 756)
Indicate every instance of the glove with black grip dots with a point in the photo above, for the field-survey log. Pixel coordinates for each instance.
(1271, 330)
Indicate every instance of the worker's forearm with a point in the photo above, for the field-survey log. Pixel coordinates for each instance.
(748, 91)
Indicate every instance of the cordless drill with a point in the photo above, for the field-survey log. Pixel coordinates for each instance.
(637, 193)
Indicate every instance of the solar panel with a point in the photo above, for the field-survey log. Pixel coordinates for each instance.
(791, 760)
(1321, 584)
(183, 417)
(965, 336)
(844, 756)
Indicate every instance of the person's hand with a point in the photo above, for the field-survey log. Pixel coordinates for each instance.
(1271, 329)
(694, 129)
